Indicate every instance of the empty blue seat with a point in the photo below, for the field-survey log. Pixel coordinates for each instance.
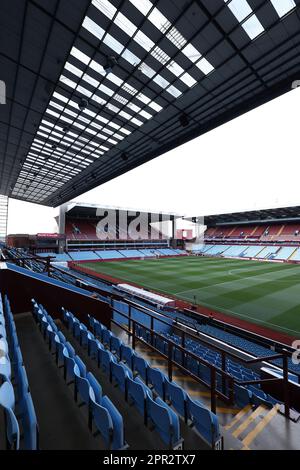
(99, 329)
(177, 398)
(157, 379)
(141, 366)
(242, 396)
(29, 423)
(120, 374)
(204, 421)
(85, 336)
(165, 422)
(127, 355)
(115, 345)
(12, 430)
(94, 346)
(106, 358)
(137, 393)
(106, 337)
(7, 395)
(109, 423)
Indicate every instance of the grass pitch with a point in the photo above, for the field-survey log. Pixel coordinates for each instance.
(261, 292)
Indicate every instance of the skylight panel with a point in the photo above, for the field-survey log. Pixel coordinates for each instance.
(240, 8)
(244, 14)
(188, 79)
(105, 7)
(125, 24)
(204, 66)
(130, 57)
(174, 91)
(283, 7)
(93, 28)
(176, 38)
(191, 53)
(161, 81)
(159, 20)
(253, 27)
(75, 70)
(144, 41)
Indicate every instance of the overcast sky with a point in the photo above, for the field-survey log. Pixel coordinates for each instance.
(252, 162)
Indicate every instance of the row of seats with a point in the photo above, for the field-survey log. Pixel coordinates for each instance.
(102, 413)
(111, 254)
(15, 397)
(248, 251)
(104, 350)
(250, 394)
(155, 397)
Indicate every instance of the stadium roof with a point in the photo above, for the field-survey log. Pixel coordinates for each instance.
(96, 88)
(83, 209)
(283, 214)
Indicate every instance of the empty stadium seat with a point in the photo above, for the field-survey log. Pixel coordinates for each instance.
(165, 422)
(204, 421)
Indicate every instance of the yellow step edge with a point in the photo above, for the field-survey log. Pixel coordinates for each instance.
(238, 417)
(248, 421)
(260, 426)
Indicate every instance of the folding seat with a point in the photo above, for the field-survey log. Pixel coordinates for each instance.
(7, 395)
(2, 331)
(65, 317)
(106, 338)
(76, 329)
(109, 424)
(3, 346)
(79, 373)
(59, 349)
(157, 380)
(165, 422)
(120, 374)
(98, 329)
(91, 322)
(204, 421)
(259, 397)
(52, 335)
(106, 359)
(141, 366)
(5, 367)
(115, 345)
(21, 380)
(85, 335)
(127, 355)
(69, 363)
(242, 396)
(137, 393)
(29, 423)
(176, 397)
(12, 430)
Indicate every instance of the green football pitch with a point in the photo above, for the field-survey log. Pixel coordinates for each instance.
(261, 292)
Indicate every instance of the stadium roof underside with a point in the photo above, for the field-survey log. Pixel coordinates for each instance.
(77, 209)
(283, 214)
(96, 88)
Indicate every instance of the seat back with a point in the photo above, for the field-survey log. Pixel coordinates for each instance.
(242, 396)
(157, 379)
(177, 397)
(120, 373)
(204, 420)
(137, 393)
(127, 355)
(166, 422)
(115, 345)
(29, 423)
(96, 387)
(12, 429)
(118, 441)
(141, 366)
